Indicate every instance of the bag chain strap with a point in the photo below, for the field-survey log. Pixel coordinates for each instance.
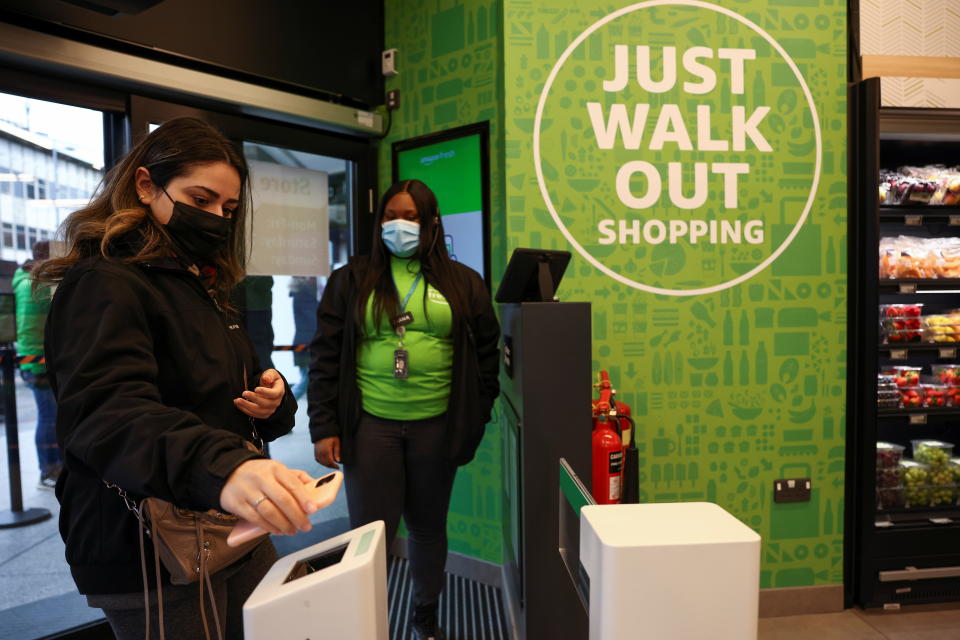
(131, 504)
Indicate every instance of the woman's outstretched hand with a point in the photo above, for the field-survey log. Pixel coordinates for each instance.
(264, 400)
(270, 495)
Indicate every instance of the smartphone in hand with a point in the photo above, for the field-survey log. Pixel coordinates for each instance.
(322, 492)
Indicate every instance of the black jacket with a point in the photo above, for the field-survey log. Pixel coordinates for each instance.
(334, 397)
(145, 369)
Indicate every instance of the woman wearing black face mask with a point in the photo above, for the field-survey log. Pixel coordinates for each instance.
(158, 387)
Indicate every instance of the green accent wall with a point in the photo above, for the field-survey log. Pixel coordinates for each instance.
(733, 387)
(744, 384)
(450, 75)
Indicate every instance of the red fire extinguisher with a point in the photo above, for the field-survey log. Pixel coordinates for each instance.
(607, 445)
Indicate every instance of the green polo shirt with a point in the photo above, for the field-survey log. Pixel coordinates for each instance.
(429, 343)
(32, 311)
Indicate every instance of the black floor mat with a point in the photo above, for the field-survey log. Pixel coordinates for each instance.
(469, 610)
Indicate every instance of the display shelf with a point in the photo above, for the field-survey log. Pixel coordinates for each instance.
(921, 415)
(948, 515)
(906, 350)
(919, 285)
(917, 216)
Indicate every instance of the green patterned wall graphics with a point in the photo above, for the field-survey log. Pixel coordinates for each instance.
(449, 58)
(737, 376)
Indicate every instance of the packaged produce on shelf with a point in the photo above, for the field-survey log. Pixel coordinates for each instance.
(890, 498)
(934, 453)
(889, 456)
(903, 376)
(917, 186)
(948, 192)
(889, 485)
(935, 395)
(953, 396)
(912, 397)
(910, 257)
(954, 468)
(942, 327)
(901, 323)
(948, 374)
(926, 486)
(916, 482)
(888, 396)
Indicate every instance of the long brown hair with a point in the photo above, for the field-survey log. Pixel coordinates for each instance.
(438, 269)
(172, 150)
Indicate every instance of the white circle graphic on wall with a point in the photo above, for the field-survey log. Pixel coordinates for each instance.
(650, 139)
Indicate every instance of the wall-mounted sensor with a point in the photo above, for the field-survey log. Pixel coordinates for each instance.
(388, 62)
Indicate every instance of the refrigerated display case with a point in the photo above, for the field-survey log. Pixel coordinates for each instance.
(903, 518)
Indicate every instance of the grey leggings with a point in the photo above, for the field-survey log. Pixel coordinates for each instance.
(401, 468)
(181, 604)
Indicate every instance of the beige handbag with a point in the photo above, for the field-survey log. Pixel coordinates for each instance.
(192, 545)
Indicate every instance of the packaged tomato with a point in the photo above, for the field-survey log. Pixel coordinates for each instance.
(911, 397)
(904, 376)
(934, 395)
(947, 374)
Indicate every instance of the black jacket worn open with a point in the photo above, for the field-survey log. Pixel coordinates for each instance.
(145, 368)
(334, 398)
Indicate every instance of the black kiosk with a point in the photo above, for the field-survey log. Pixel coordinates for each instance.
(546, 384)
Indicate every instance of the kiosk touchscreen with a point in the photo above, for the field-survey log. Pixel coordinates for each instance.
(532, 275)
(334, 589)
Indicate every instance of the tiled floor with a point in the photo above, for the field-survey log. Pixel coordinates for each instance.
(928, 622)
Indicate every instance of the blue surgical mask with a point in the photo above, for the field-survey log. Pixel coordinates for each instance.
(402, 237)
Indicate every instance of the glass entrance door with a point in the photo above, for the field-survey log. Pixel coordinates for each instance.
(301, 231)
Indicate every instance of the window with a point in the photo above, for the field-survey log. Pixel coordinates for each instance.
(76, 157)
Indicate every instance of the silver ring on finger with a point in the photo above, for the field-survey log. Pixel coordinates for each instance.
(258, 501)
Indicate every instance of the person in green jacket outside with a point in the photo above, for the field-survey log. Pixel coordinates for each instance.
(32, 308)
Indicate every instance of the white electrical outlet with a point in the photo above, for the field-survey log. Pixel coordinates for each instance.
(388, 62)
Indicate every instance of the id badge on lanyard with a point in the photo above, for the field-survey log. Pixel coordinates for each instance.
(401, 357)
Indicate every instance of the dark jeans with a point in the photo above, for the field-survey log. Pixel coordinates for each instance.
(181, 603)
(401, 468)
(48, 453)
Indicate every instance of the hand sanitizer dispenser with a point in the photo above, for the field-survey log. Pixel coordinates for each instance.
(683, 571)
(334, 589)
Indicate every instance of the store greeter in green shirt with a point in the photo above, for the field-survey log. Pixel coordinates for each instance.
(425, 389)
(403, 375)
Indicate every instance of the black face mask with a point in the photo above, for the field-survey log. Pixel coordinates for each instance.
(197, 232)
